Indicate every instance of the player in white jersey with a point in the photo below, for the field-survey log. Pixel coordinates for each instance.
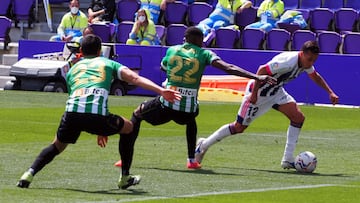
(260, 97)
(86, 109)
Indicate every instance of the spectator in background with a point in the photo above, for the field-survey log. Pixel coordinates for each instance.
(155, 7)
(269, 13)
(143, 32)
(101, 10)
(72, 24)
(222, 16)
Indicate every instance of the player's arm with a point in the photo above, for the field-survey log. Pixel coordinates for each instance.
(254, 92)
(132, 77)
(319, 80)
(235, 70)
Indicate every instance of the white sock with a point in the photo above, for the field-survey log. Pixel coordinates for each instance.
(291, 140)
(217, 136)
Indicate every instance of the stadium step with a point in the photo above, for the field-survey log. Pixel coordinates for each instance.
(4, 79)
(9, 59)
(4, 70)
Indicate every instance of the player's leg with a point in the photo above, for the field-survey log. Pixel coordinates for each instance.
(296, 118)
(150, 111)
(287, 106)
(64, 133)
(246, 114)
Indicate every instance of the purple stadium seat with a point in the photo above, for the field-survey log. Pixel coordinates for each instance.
(126, 10)
(5, 5)
(355, 4)
(305, 6)
(310, 4)
(123, 30)
(175, 12)
(175, 34)
(58, 1)
(289, 27)
(23, 11)
(329, 41)
(160, 31)
(246, 17)
(321, 19)
(333, 5)
(253, 38)
(104, 31)
(278, 39)
(198, 11)
(291, 4)
(345, 20)
(226, 37)
(5, 26)
(351, 44)
(301, 36)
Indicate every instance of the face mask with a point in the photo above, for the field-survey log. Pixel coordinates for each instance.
(74, 10)
(142, 18)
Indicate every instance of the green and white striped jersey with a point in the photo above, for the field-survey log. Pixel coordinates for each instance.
(89, 82)
(185, 65)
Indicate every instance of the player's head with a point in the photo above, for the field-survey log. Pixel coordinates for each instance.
(309, 53)
(194, 35)
(91, 45)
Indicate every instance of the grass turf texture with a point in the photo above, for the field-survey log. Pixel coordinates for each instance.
(242, 168)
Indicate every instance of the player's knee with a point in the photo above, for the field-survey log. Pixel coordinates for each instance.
(237, 128)
(297, 120)
(127, 128)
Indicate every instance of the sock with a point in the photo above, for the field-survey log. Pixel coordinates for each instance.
(217, 136)
(292, 138)
(45, 157)
(191, 131)
(126, 146)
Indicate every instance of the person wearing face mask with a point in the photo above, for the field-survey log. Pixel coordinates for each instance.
(72, 24)
(143, 32)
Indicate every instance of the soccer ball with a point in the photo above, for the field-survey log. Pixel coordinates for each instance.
(305, 162)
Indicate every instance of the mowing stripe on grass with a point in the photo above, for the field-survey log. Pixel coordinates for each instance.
(222, 193)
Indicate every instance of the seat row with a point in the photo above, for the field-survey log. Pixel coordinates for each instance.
(276, 39)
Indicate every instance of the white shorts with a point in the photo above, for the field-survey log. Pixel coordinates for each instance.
(249, 112)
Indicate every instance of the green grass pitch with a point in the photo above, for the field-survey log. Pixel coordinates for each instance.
(241, 168)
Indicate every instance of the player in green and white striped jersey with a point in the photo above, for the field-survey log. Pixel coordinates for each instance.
(184, 65)
(89, 83)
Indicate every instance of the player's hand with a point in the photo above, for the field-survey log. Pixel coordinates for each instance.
(253, 98)
(171, 95)
(334, 98)
(267, 79)
(102, 141)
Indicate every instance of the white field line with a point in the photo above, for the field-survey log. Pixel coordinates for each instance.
(221, 193)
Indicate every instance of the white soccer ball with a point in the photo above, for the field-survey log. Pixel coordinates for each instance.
(305, 162)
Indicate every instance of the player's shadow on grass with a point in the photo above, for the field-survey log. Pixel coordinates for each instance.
(131, 191)
(293, 172)
(197, 171)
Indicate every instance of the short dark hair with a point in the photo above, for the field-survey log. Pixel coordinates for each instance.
(192, 34)
(91, 45)
(311, 46)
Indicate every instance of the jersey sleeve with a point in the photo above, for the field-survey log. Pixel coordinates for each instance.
(279, 64)
(211, 56)
(116, 69)
(310, 70)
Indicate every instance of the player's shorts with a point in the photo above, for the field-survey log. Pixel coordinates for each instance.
(249, 112)
(155, 113)
(72, 124)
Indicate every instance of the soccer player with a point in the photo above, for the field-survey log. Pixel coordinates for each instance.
(184, 65)
(260, 97)
(88, 83)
